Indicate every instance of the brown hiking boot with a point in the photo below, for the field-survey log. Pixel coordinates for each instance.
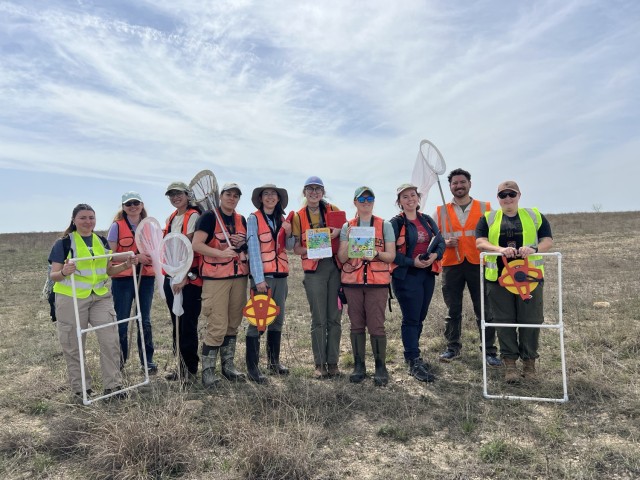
(320, 372)
(333, 370)
(530, 370)
(511, 374)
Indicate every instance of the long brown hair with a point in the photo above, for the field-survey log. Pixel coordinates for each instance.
(72, 226)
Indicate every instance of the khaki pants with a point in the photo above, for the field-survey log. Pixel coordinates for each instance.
(94, 310)
(222, 304)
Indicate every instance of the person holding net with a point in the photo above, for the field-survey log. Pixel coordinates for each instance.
(457, 221)
(95, 304)
(183, 220)
(121, 237)
(515, 233)
(221, 239)
(321, 279)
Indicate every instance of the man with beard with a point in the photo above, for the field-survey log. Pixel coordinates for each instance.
(461, 264)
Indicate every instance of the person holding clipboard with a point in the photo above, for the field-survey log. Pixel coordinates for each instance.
(419, 249)
(321, 275)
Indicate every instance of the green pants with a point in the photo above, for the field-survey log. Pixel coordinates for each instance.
(322, 293)
(509, 308)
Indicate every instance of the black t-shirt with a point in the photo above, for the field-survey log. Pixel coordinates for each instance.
(511, 232)
(207, 223)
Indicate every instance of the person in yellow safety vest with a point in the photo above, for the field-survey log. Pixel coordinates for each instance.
(366, 285)
(95, 304)
(321, 280)
(221, 238)
(514, 232)
(461, 265)
(121, 237)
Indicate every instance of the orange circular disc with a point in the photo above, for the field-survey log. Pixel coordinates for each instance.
(261, 310)
(509, 276)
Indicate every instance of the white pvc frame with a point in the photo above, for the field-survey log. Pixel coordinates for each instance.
(557, 326)
(79, 331)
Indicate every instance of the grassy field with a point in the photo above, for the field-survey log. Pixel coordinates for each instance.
(300, 428)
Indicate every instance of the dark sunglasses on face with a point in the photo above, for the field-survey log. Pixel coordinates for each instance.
(503, 195)
(132, 203)
(369, 199)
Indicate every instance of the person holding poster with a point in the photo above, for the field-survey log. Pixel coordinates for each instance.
(314, 226)
(366, 275)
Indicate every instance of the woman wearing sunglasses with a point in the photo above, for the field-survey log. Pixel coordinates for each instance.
(515, 233)
(414, 277)
(366, 285)
(121, 238)
(321, 280)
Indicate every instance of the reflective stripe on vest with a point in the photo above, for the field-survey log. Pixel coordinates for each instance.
(372, 273)
(531, 221)
(305, 224)
(272, 264)
(466, 234)
(217, 267)
(90, 275)
(127, 243)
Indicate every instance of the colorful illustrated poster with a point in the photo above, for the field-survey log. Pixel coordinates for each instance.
(318, 243)
(362, 242)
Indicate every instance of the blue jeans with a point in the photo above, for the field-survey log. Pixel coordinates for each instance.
(123, 298)
(414, 294)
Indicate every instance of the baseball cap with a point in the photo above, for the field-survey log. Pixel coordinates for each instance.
(360, 190)
(231, 186)
(406, 186)
(508, 185)
(314, 181)
(180, 186)
(130, 196)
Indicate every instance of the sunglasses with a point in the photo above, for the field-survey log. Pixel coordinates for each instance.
(369, 199)
(503, 195)
(132, 203)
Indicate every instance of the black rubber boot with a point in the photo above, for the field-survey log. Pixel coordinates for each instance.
(358, 344)
(379, 347)
(209, 357)
(273, 353)
(227, 354)
(253, 354)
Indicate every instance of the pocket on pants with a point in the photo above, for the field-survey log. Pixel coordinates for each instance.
(67, 336)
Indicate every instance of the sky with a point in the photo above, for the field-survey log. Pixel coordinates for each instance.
(99, 98)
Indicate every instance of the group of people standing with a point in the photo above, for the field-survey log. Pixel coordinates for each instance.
(233, 253)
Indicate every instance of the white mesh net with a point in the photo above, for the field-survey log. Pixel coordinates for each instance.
(176, 256)
(148, 239)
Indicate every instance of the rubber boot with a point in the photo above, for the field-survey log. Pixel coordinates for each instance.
(209, 357)
(253, 354)
(358, 343)
(511, 374)
(529, 370)
(273, 354)
(227, 353)
(379, 347)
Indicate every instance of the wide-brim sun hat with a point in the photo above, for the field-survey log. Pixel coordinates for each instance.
(257, 193)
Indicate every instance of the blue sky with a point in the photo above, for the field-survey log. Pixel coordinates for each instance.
(98, 98)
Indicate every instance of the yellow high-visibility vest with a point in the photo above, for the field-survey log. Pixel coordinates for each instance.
(531, 221)
(91, 275)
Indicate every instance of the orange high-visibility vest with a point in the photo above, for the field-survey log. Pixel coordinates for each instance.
(466, 234)
(273, 263)
(197, 258)
(374, 273)
(127, 243)
(213, 268)
(307, 264)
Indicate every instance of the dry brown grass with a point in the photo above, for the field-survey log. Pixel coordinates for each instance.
(300, 428)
